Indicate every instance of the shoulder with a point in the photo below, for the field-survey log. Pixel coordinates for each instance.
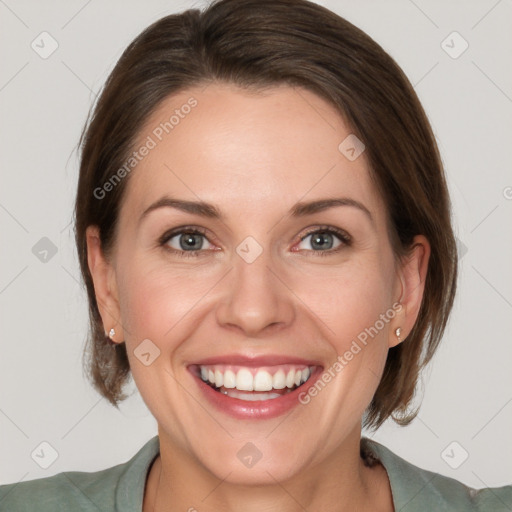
(74, 489)
(103, 490)
(414, 488)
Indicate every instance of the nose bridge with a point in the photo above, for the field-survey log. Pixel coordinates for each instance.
(255, 296)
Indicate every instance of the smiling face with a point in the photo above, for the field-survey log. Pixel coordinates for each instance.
(274, 293)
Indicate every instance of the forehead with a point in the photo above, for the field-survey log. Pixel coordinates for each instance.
(247, 152)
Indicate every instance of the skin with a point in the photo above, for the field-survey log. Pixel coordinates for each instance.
(255, 155)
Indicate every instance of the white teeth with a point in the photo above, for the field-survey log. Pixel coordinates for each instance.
(290, 379)
(251, 397)
(229, 379)
(262, 381)
(219, 378)
(245, 380)
(279, 380)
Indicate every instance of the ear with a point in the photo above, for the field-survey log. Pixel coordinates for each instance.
(105, 285)
(412, 273)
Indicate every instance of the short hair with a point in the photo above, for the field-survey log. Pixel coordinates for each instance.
(256, 44)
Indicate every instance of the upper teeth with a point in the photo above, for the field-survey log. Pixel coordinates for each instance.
(252, 379)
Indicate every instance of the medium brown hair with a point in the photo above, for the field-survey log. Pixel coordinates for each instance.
(258, 44)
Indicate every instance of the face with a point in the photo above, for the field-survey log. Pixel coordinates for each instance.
(253, 289)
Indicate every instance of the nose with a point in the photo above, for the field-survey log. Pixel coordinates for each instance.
(256, 297)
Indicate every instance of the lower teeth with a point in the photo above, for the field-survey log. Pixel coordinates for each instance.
(251, 396)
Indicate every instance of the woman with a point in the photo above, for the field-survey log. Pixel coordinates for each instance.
(264, 230)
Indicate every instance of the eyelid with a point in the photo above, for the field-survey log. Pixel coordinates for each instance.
(341, 233)
(171, 233)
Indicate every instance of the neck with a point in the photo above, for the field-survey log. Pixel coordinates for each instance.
(177, 481)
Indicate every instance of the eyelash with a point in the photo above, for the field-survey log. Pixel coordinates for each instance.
(344, 237)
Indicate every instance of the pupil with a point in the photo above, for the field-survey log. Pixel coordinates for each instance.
(188, 241)
(319, 240)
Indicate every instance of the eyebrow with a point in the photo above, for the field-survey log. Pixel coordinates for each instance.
(298, 210)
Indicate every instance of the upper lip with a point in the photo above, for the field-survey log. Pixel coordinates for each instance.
(256, 360)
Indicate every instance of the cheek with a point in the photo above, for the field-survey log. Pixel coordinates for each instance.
(347, 297)
(349, 300)
(154, 298)
(356, 314)
(154, 306)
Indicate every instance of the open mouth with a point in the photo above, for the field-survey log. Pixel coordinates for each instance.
(254, 384)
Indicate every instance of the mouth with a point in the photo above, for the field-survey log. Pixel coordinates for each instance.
(250, 391)
(254, 384)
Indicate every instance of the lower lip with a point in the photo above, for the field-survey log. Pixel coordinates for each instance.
(261, 409)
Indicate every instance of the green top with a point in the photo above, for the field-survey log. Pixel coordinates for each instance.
(121, 488)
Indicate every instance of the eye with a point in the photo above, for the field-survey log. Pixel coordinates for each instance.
(185, 241)
(323, 240)
(190, 242)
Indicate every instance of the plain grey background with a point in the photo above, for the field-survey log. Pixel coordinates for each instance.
(464, 426)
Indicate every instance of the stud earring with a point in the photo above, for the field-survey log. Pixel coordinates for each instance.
(398, 331)
(111, 333)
